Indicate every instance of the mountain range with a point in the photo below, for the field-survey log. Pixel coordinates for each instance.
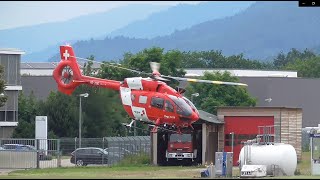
(135, 21)
(180, 17)
(36, 38)
(259, 32)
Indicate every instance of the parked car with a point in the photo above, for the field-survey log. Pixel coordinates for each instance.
(89, 155)
(22, 147)
(117, 151)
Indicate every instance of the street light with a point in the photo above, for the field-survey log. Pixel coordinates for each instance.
(194, 94)
(80, 111)
(232, 137)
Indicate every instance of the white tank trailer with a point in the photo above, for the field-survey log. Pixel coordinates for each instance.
(280, 154)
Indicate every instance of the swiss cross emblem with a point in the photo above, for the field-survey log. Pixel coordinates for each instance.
(66, 54)
(143, 113)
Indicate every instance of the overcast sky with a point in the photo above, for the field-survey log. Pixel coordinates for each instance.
(23, 13)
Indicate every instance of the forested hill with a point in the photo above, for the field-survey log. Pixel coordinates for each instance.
(37, 38)
(261, 31)
(143, 22)
(180, 17)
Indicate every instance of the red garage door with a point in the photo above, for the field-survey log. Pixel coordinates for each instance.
(244, 128)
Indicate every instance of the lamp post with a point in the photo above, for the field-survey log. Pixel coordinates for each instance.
(80, 112)
(232, 137)
(194, 94)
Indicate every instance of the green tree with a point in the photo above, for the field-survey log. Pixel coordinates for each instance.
(282, 60)
(212, 96)
(28, 110)
(62, 113)
(170, 64)
(192, 60)
(305, 68)
(102, 114)
(215, 59)
(87, 67)
(4, 98)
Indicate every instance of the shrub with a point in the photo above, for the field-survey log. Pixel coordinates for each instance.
(135, 159)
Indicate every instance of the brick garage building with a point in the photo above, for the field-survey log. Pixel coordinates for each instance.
(244, 122)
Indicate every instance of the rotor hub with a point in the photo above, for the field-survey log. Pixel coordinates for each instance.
(66, 75)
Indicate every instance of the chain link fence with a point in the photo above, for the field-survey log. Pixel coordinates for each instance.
(128, 149)
(305, 140)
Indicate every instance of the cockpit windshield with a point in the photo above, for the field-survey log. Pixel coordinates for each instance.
(182, 106)
(190, 103)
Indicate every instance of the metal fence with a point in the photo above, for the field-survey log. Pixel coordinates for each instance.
(104, 151)
(305, 140)
(65, 152)
(29, 153)
(129, 147)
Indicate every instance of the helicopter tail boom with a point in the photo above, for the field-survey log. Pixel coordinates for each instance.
(68, 74)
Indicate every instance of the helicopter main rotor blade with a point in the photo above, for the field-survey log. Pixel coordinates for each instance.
(115, 65)
(160, 78)
(206, 81)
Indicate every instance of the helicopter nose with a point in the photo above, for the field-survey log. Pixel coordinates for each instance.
(194, 117)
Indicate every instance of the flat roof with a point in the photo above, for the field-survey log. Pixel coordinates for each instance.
(49, 65)
(11, 51)
(257, 107)
(211, 118)
(190, 72)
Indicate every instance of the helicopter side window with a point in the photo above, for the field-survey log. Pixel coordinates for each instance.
(157, 102)
(142, 99)
(133, 97)
(168, 106)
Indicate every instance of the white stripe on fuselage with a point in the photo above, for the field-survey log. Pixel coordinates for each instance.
(126, 96)
(140, 113)
(134, 83)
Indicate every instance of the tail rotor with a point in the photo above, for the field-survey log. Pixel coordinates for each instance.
(67, 74)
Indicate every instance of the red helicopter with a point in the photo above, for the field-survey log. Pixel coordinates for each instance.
(147, 100)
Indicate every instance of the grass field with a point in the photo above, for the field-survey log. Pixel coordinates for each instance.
(107, 172)
(138, 171)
